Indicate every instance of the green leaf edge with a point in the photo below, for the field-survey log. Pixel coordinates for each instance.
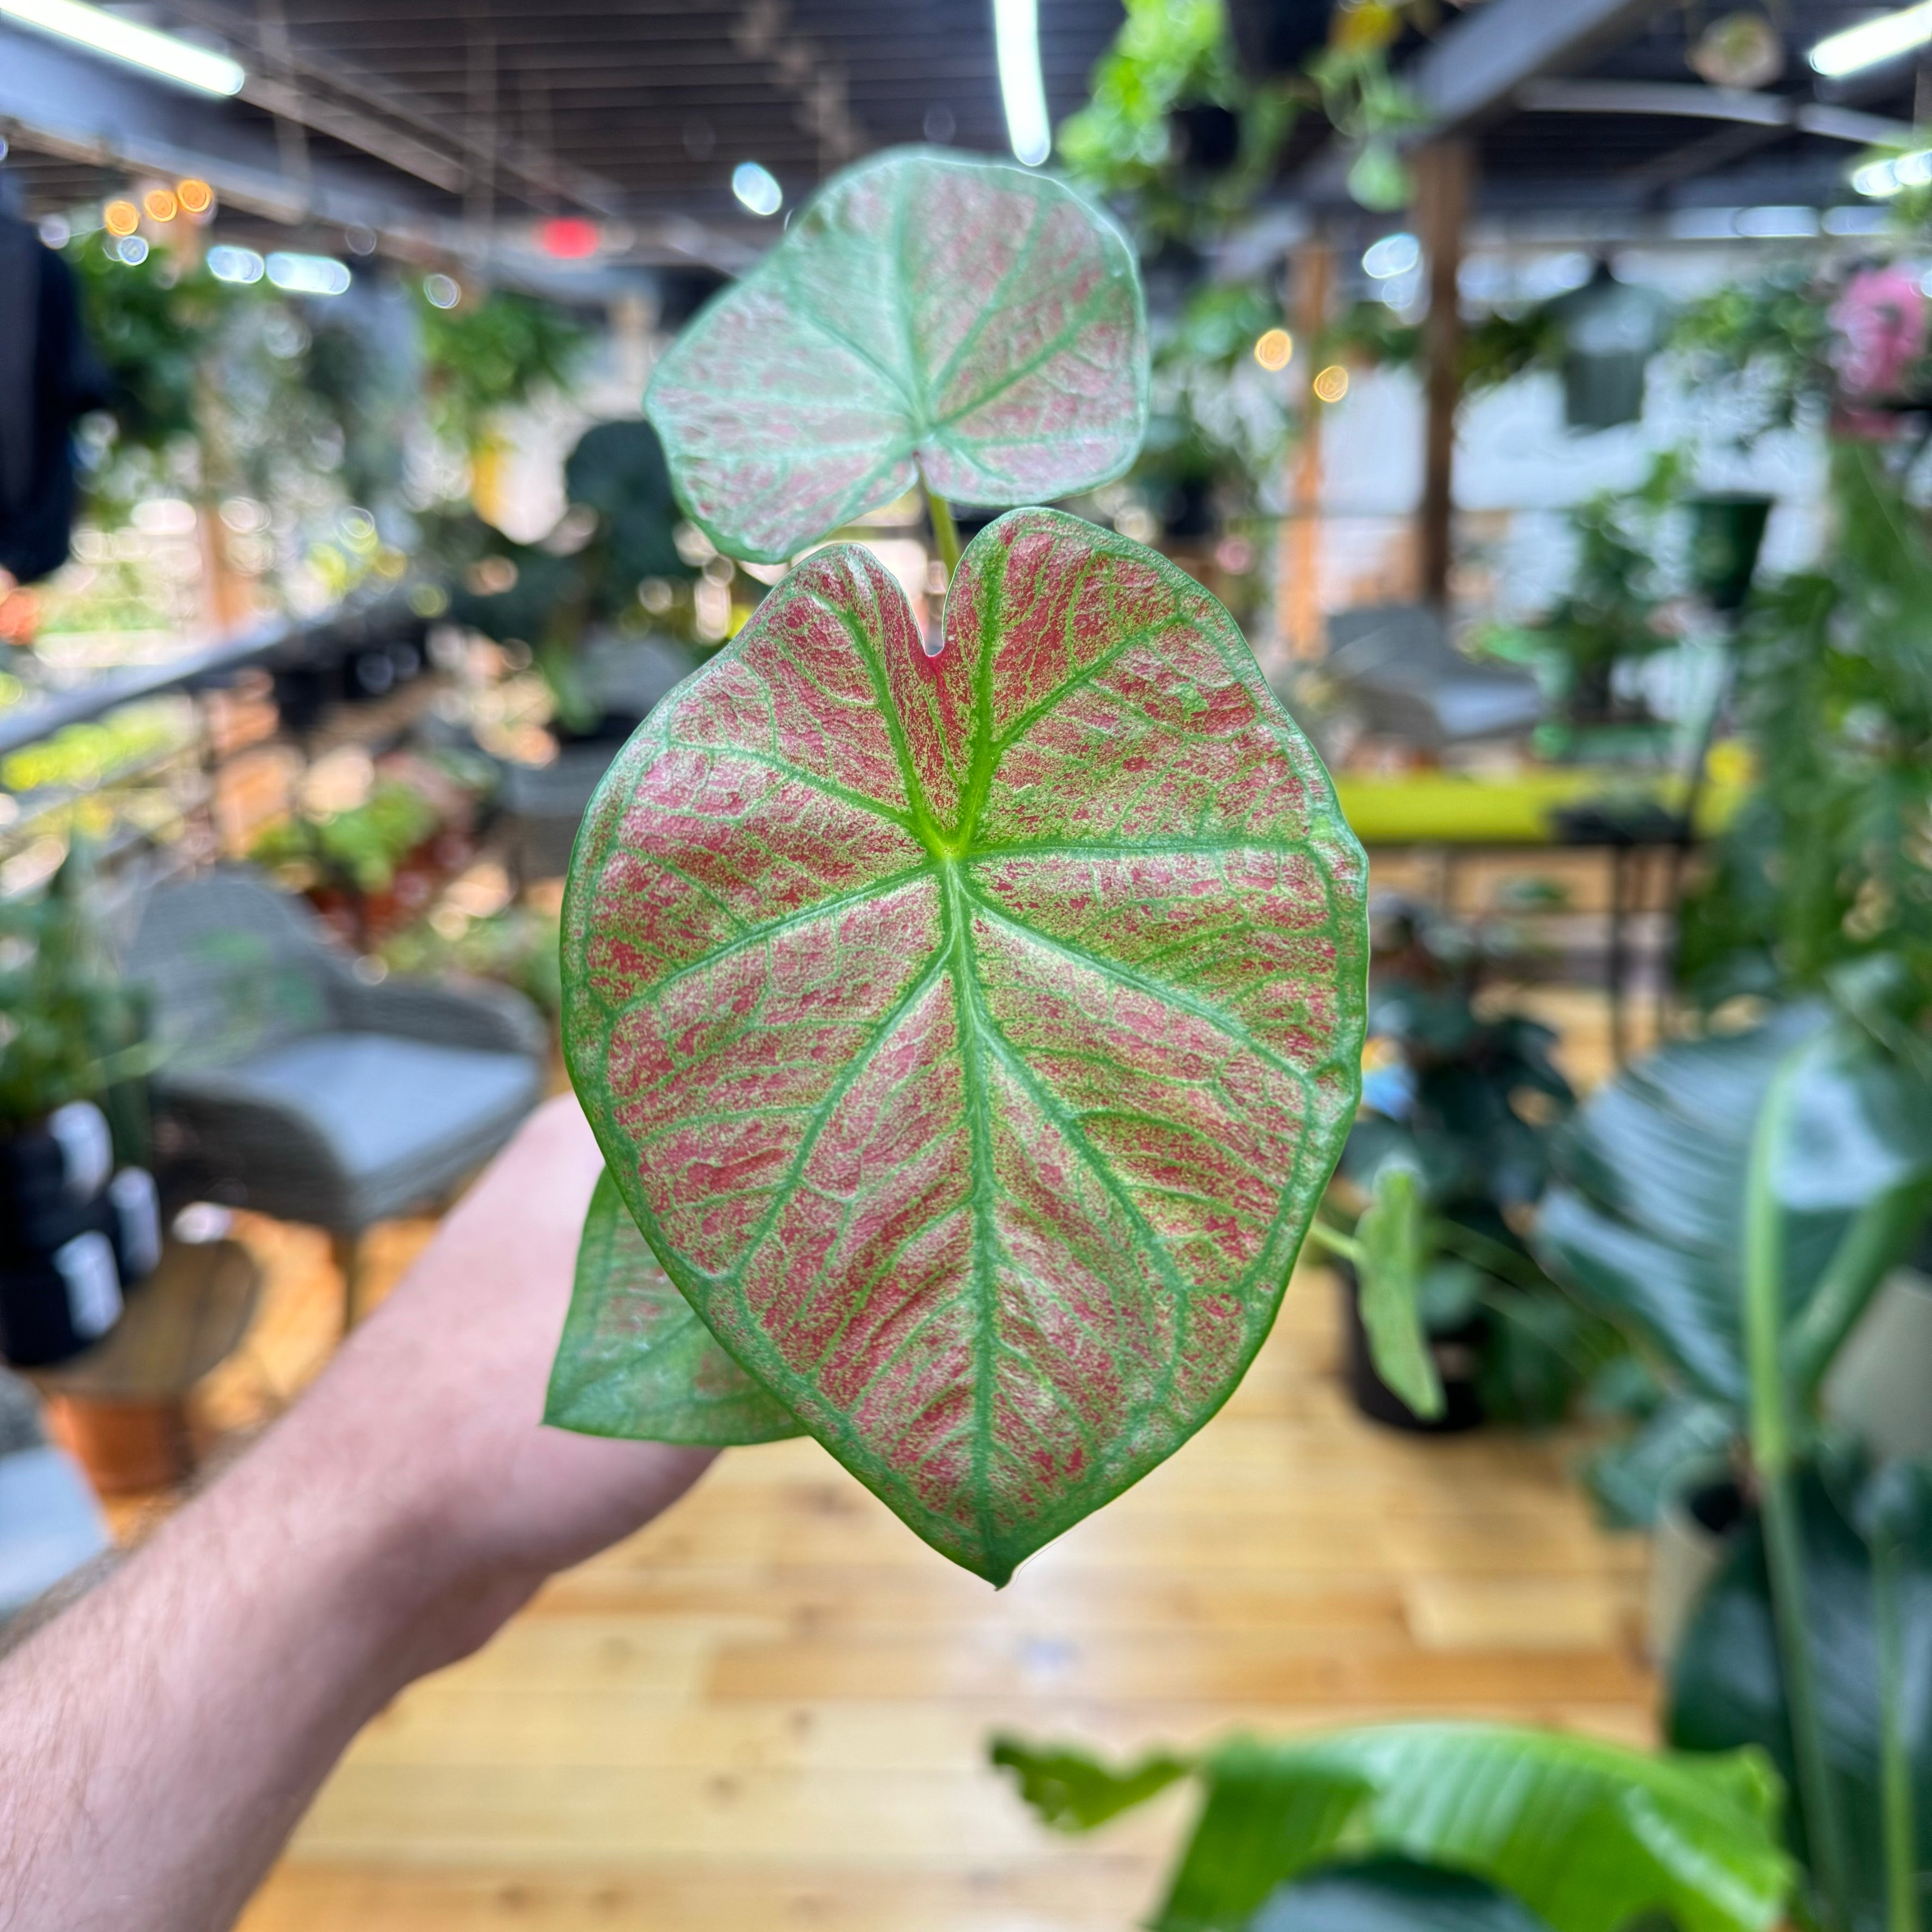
(607, 1225)
(1114, 237)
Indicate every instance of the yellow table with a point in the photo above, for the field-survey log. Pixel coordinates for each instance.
(1460, 808)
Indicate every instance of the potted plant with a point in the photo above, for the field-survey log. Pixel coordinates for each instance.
(1468, 1099)
(77, 1228)
(1736, 1202)
(1442, 1828)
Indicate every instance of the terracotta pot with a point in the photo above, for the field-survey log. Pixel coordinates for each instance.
(126, 1447)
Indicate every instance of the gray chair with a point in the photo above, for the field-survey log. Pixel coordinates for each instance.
(291, 1085)
(1394, 663)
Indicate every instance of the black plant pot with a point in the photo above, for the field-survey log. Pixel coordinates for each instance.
(73, 1234)
(1458, 1356)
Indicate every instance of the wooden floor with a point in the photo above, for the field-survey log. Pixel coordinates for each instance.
(770, 1710)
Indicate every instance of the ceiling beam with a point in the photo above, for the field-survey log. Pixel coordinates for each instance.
(96, 110)
(1692, 101)
(85, 110)
(1473, 71)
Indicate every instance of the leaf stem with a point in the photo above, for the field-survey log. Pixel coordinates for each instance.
(945, 532)
(1895, 1806)
(1772, 1452)
(1335, 1241)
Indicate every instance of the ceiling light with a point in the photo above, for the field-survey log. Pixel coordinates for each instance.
(173, 59)
(1881, 180)
(228, 264)
(1873, 41)
(1022, 91)
(757, 188)
(309, 274)
(1274, 349)
(1392, 255)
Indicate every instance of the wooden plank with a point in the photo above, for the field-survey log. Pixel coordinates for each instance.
(771, 1709)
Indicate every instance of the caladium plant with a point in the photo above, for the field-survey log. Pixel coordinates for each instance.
(971, 1024)
(929, 318)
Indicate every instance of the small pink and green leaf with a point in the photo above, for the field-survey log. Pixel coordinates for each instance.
(928, 313)
(636, 1361)
(973, 1034)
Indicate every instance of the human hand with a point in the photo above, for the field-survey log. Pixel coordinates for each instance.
(431, 1417)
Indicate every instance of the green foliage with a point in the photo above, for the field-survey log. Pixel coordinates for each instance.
(516, 947)
(1830, 863)
(619, 529)
(1216, 416)
(1762, 347)
(1736, 1202)
(1390, 1244)
(69, 1029)
(1588, 1836)
(80, 757)
(1071, 1792)
(1645, 1220)
(635, 1360)
(1727, 1686)
(1173, 56)
(153, 327)
(491, 353)
(1617, 606)
(1467, 1100)
(361, 847)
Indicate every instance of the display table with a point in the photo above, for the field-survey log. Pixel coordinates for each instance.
(1433, 807)
(123, 1406)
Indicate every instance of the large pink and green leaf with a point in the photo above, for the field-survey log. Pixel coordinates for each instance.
(972, 1035)
(927, 312)
(636, 1361)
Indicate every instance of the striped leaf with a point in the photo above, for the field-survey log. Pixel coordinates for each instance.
(927, 312)
(973, 1034)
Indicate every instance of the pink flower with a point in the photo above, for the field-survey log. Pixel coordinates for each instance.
(1880, 321)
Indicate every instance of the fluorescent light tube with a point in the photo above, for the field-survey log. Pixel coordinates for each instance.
(176, 60)
(309, 274)
(1022, 91)
(1872, 41)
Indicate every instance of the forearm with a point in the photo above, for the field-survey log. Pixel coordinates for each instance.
(159, 1740)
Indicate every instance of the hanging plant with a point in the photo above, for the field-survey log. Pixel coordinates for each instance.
(969, 1023)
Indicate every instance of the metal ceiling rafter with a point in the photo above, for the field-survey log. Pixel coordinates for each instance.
(69, 104)
(1692, 101)
(1474, 70)
(284, 80)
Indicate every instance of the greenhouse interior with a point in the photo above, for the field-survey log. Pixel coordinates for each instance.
(966, 968)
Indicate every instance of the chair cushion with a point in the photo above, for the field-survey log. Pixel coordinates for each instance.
(404, 1119)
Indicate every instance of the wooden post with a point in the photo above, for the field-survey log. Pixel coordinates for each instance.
(1298, 603)
(1443, 170)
